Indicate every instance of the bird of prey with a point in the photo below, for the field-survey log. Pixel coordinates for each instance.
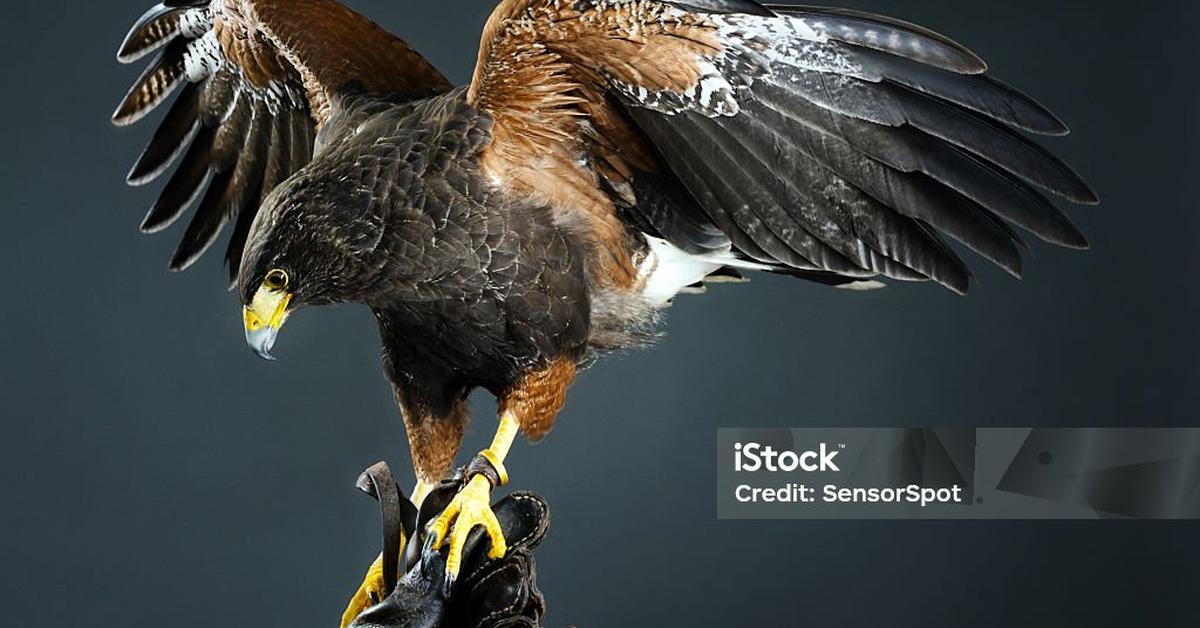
(605, 156)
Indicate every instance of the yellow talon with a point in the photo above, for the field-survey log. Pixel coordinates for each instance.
(470, 508)
(369, 593)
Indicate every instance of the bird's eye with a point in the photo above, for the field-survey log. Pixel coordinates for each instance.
(276, 280)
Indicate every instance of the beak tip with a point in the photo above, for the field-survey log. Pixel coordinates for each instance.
(261, 341)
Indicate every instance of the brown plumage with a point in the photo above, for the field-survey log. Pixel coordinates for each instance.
(538, 396)
(541, 77)
(607, 155)
(330, 47)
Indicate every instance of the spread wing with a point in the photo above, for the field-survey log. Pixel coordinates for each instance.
(800, 139)
(256, 79)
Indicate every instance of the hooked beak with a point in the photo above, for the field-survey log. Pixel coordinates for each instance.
(263, 318)
(261, 341)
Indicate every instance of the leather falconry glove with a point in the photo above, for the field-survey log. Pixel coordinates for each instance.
(489, 594)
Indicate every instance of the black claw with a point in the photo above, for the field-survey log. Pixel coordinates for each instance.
(427, 553)
(448, 585)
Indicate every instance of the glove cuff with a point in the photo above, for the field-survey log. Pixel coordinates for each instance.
(489, 466)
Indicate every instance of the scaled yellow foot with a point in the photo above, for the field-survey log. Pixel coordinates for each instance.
(470, 508)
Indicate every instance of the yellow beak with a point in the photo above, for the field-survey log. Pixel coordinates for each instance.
(265, 315)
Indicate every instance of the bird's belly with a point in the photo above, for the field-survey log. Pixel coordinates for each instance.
(490, 337)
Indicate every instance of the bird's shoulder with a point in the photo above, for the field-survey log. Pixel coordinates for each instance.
(409, 166)
(425, 136)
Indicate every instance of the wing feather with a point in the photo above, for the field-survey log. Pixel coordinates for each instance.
(894, 183)
(233, 189)
(997, 145)
(979, 93)
(888, 35)
(184, 185)
(815, 140)
(171, 138)
(154, 86)
(720, 194)
(258, 77)
(277, 157)
(835, 214)
(155, 29)
(785, 208)
(906, 149)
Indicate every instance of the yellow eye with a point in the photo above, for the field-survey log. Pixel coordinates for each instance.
(276, 280)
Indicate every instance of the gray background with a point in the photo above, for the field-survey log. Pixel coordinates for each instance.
(155, 473)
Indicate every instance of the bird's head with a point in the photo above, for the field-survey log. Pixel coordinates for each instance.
(303, 249)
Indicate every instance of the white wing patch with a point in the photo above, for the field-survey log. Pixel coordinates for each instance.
(203, 57)
(667, 270)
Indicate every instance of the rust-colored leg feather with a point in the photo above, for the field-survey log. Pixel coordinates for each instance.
(434, 440)
(538, 397)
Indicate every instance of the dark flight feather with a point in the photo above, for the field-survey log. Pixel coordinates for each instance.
(184, 185)
(230, 192)
(723, 193)
(889, 35)
(154, 29)
(728, 159)
(218, 96)
(153, 87)
(907, 149)
(665, 210)
(997, 145)
(278, 165)
(786, 209)
(863, 162)
(171, 138)
(231, 133)
(979, 93)
(834, 212)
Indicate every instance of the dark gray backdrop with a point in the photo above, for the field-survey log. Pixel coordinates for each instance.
(155, 473)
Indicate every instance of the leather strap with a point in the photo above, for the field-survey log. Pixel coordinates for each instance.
(489, 466)
(377, 482)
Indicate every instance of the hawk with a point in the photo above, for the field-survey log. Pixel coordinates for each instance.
(606, 156)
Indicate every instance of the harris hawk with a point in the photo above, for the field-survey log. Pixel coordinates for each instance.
(606, 156)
